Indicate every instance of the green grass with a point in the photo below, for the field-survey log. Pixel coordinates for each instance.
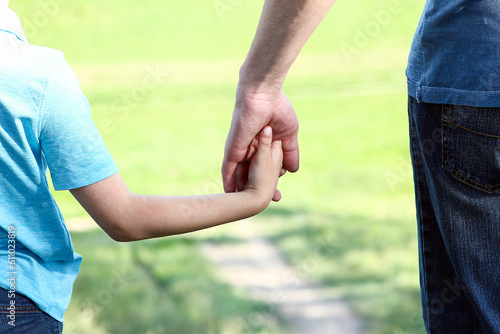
(156, 286)
(351, 202)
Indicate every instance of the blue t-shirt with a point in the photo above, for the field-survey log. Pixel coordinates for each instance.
(455, 54)
(45, 122)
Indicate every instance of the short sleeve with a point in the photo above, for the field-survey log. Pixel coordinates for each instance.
(71, 143)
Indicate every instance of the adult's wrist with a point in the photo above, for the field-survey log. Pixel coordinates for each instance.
(256, 80)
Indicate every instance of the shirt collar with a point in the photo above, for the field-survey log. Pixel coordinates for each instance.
(10, 23)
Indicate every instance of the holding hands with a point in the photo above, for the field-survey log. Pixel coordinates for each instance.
(264, 168)
(284, 28)
(261, 144)
(254, 111)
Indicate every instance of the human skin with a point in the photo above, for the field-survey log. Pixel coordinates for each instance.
(125, 216)
(284, 28)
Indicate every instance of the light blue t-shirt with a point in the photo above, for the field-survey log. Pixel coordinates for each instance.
(455, 54)
(45, 122)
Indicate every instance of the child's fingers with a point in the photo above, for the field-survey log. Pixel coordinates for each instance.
(265, 141)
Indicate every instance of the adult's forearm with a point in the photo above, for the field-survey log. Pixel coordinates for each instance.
(284, 28)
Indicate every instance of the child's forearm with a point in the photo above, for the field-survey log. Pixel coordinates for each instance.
(126, 216)
(158, 216)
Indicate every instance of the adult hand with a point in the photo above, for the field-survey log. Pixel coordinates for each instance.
(284, 28)
(252, 112)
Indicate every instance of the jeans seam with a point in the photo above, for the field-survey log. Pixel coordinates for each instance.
(417, 184)
(57, 327)
(22, 309)
(462, 127)
(423, 249)
(412, 123)
(27, 312)
(477, 184)
(445, 140)
(446, 153)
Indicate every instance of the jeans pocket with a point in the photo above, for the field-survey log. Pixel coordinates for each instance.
(471, 145)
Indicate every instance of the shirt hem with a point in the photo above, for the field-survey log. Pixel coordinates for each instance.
(441, 95)
(79, 184)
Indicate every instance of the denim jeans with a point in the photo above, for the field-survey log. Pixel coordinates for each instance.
(29, 319)
(456, 164)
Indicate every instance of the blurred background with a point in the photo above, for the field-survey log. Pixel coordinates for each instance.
(161, 77)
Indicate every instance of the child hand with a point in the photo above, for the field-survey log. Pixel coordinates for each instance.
(266, 168)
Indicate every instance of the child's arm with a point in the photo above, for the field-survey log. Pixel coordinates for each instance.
(128, 217)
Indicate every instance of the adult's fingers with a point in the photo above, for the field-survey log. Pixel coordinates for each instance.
(277, 156)
(240, 178)
(277, 196)
(236, 151)
(291, 153)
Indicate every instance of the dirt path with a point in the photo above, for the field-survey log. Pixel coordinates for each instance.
(257, 266)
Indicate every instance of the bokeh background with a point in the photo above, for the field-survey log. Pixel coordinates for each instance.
(161, 78)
